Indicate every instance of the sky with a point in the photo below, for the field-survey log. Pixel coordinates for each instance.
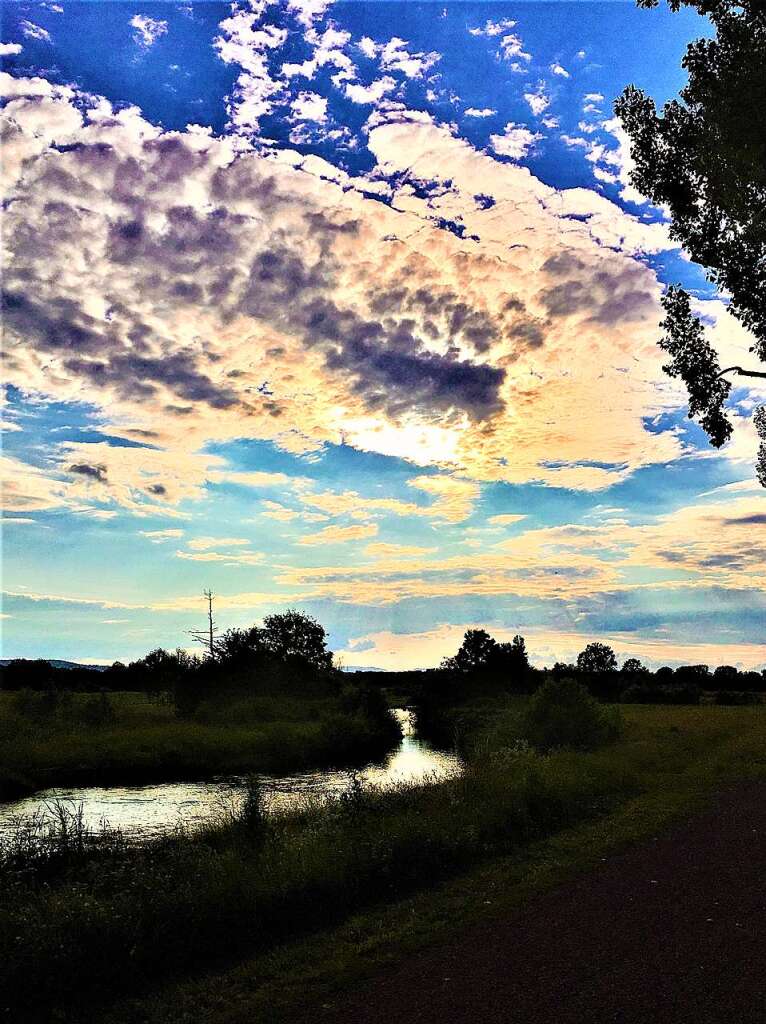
(352, 307)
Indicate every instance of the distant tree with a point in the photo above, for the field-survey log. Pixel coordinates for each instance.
(596, 658)
(698, 675)
(633, 667)
(664, 676)
(510, 662)
(238, 649)
(475, 653)
(725, 675)
(295, 637)
(752, 680)
(704, 159)
(564, 670)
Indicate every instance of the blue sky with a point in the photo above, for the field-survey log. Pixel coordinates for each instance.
(352, 307)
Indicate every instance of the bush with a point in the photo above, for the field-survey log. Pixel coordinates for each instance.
(563, 714)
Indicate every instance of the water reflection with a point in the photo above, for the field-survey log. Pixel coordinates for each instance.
(146, 811)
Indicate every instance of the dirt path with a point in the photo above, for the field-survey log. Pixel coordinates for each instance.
(669, 932)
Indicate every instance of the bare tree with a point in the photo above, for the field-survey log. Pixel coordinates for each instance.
(207, 636)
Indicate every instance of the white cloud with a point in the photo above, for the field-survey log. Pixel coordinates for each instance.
(515, 142)
(206, 543)
(159, 536)
(512, 49)
(479, 356)
(10, 49)
(371, 93)
(244, 43)
(493, 28)
(340, 534)
(479, 112)
(538, 100)
(557, 69)
(148, 30)
(308, 11)
(310, 106)
(32, 31)
(232, 558)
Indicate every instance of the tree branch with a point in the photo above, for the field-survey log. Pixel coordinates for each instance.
(741, 372)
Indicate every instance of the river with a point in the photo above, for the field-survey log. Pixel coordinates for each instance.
(145, 812)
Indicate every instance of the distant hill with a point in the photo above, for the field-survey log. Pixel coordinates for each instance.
(57, 663)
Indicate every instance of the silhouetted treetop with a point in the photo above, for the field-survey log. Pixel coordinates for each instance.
(597, 657)
(704, 158)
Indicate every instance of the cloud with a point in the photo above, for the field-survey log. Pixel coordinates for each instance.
(515, 142)
(32, 31)
(394, 56)
(309, 106)
(205, 543)
(308, 11)
(339, 534)
(493, 28)
(512, 50)
(293, 307)
(245, 43)
(479, 112)
(385, 551)
(557, 69)
(230, 558)
(371, 93)
(538, 101)
(10, 49)
(27, 488)
(160, 536)
(148, 30)
(506, 519)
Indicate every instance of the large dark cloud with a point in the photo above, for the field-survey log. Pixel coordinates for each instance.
(155, 256)
(612, 294)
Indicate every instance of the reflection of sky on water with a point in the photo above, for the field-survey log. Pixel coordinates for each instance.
(152, 810)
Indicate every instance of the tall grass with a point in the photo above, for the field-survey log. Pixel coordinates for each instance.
(105, 924)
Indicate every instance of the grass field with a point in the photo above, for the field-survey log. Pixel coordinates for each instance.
(132, 738)
(384, 870)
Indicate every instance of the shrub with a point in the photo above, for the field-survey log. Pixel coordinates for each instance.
(563, 714)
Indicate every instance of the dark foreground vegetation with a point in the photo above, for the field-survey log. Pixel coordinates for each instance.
(269, 700)
(84, 920)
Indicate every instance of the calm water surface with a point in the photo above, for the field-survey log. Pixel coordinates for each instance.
(146, 811)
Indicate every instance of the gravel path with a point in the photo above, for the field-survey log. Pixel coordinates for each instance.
(669, 932)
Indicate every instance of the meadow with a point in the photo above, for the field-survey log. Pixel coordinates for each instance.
(60, 738)
(84, 923)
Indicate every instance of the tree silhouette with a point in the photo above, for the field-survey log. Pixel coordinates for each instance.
(294, 637)
(475, 652)
(705, 159)
(596, 657)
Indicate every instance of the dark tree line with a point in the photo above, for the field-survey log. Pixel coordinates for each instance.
(288, 654)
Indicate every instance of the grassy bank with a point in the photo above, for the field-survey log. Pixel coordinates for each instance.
(128, 738)
(90, 924)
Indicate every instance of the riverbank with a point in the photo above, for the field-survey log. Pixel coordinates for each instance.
(128, 738)
(152, 914)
